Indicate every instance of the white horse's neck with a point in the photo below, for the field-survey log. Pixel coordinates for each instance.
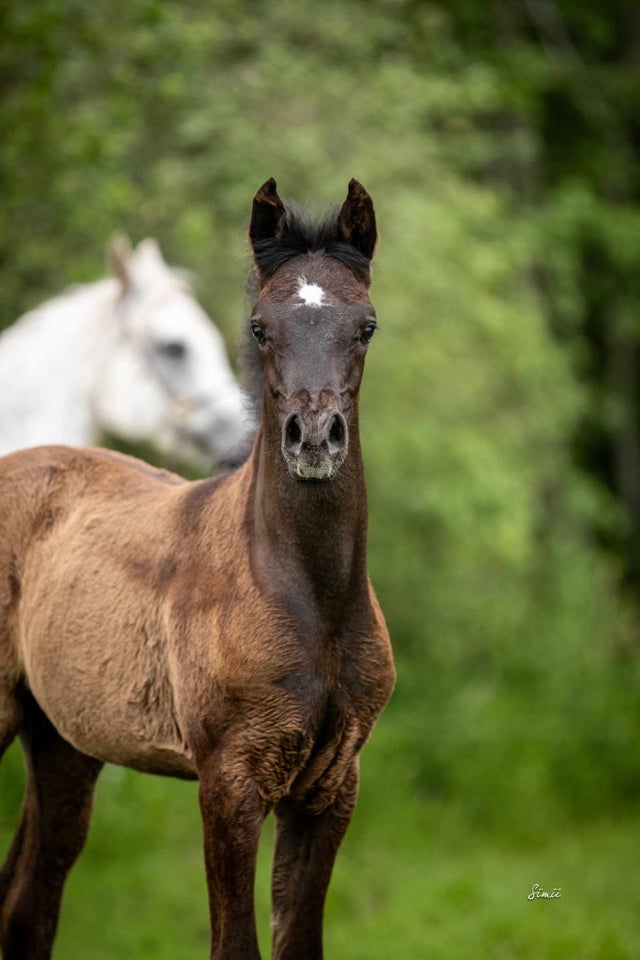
(48, 364)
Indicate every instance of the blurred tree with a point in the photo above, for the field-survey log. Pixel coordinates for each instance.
(570, 74)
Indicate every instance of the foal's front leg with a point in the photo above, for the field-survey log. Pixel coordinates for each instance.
(232, 815)
(306, 846)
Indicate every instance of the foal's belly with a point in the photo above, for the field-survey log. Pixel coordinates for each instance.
(96, 661)
(107, 709)
(105, 713)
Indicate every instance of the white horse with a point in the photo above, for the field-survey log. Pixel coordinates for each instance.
(134, 355)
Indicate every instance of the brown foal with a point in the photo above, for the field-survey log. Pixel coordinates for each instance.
(223, 630)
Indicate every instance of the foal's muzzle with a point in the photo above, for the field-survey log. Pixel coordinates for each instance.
(314, 444)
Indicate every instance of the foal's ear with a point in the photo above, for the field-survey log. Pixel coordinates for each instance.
(266, 214)
(118, 259)
(357, 221)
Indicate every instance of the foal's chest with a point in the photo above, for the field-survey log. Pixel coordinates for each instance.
(312, 728)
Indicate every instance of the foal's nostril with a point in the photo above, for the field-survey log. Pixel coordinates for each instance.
(307, 439)
(293, 435)
(337, 434)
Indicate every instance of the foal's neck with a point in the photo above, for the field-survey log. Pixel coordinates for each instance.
(310, 536)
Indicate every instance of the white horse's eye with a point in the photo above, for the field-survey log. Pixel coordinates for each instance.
(174, 349)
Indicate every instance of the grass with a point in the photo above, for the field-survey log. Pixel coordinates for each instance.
(413, 880)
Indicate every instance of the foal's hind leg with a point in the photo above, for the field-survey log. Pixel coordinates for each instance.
(10, 722)
(10, 706)
(55, 820)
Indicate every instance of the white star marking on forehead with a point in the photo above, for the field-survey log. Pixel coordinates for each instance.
(311, 293)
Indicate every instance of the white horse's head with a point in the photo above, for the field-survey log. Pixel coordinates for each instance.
(166, 377)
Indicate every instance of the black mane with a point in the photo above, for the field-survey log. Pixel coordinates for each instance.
(299, 233)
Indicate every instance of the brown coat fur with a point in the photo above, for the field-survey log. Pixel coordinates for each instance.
(136, 594)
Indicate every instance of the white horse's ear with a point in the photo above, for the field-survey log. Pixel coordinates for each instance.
(119, 254)
(149, 254)
(149, 247)
(148, 266)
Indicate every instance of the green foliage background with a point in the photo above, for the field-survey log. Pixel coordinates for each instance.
(500, 144)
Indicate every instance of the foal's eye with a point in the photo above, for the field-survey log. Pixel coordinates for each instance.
(258, 334)
(367, 332)
(174, 349)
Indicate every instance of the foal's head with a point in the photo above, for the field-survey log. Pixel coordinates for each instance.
(312, 324)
